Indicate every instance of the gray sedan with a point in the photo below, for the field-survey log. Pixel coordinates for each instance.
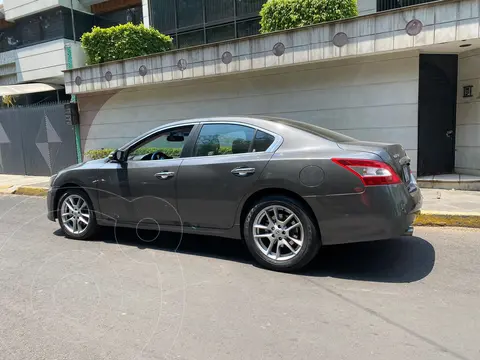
(285, 187)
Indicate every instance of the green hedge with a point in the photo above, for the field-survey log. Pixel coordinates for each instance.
(123, 42)
(103, 153)
(288, 14)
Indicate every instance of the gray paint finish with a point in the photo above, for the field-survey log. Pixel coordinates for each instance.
(204, 196)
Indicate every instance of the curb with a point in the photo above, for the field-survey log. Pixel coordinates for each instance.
(31, 191)
(445, 218)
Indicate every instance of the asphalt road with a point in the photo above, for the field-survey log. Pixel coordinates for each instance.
(121, 297)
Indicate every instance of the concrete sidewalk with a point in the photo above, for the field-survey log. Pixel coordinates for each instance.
(26, 185)
(440, 207)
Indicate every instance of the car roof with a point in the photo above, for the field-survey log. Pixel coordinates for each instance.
(272, 124)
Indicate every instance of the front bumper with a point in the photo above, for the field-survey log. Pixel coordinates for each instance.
(380, 212)
(51, 211)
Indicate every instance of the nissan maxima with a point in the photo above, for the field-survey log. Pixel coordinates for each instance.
(286, 188)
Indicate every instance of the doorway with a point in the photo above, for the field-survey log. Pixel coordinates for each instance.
(437, 111)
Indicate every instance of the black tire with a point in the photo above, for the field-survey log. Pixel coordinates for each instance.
(92, 225)
(311, 243)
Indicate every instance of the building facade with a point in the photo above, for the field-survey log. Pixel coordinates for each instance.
(407, 75)
(38, 38)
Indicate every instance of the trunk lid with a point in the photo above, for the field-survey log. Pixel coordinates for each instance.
(392, 154)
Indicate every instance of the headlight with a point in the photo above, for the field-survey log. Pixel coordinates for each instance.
(52, 179)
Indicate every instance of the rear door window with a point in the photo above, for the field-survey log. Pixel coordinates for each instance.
(223, 139)
(262, 141)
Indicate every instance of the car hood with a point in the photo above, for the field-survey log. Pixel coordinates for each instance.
(86, 165)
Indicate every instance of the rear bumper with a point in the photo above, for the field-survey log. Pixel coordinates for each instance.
(381, 212)
(51, 211)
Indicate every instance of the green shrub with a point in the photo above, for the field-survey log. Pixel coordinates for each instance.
(98, 154)
(171, 152)
(288, 14)
(123, 42)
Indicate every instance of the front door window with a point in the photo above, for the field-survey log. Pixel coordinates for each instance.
(165, 145)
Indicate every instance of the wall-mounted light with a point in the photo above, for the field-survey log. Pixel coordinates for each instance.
(414, 27)
(340, 39)
(278, 49)
(182, 64)
(227, 57)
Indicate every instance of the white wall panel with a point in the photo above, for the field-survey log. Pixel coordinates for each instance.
(15, 9)
(467, 155)
(371, 99)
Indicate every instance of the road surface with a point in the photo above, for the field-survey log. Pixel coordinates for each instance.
(121, 297)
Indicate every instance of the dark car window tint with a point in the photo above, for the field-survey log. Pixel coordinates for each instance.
(262, 141)
(221, 139)
(313, 129)
(169, 142)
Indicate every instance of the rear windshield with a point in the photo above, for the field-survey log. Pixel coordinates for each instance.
(313, 129)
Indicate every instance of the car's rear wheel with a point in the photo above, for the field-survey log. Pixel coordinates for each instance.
(76, 215)
(280, 234)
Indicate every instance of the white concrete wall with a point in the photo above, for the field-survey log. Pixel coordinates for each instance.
(146, 13)
(379, 33)
(46, 60)
(371, 98)
(366, 7)
(467, 157)
(8, 71)
(15, 9)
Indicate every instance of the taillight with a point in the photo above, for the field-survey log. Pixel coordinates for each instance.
(371, 172)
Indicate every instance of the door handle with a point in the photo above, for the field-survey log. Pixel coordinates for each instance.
(243, 171)
(164, 175)
(449, 133)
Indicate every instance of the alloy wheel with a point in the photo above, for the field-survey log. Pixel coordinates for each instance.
(75, 214)
(278, 233)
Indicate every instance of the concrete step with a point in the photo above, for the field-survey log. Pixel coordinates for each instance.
(450, 182)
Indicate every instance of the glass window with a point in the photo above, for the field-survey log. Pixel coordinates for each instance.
(191, 39)
(52, 24)
(220, 33)
(189, 12)
(313, 129)
(216, 10)
(249, 7)
(262, 141)
(222, 139)
(31, 32)
(167, 144)
(123, 16)
(163, 15)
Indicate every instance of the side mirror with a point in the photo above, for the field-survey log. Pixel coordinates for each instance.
(117, 155)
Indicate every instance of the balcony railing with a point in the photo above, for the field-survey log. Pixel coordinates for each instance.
(383, 5)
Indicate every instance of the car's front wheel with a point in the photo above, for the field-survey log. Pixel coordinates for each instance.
(76, 215)
(280, 234)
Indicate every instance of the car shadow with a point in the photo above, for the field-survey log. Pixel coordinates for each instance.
(402, 260)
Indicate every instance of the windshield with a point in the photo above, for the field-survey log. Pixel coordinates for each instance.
(313, 129)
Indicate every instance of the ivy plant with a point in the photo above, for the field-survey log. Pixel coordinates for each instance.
(123, 42)
(288, 14)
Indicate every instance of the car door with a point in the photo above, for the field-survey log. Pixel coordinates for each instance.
(141, 189)
(227, 159)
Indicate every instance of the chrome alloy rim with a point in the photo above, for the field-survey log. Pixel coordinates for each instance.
(278, 233)
(75, 214)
